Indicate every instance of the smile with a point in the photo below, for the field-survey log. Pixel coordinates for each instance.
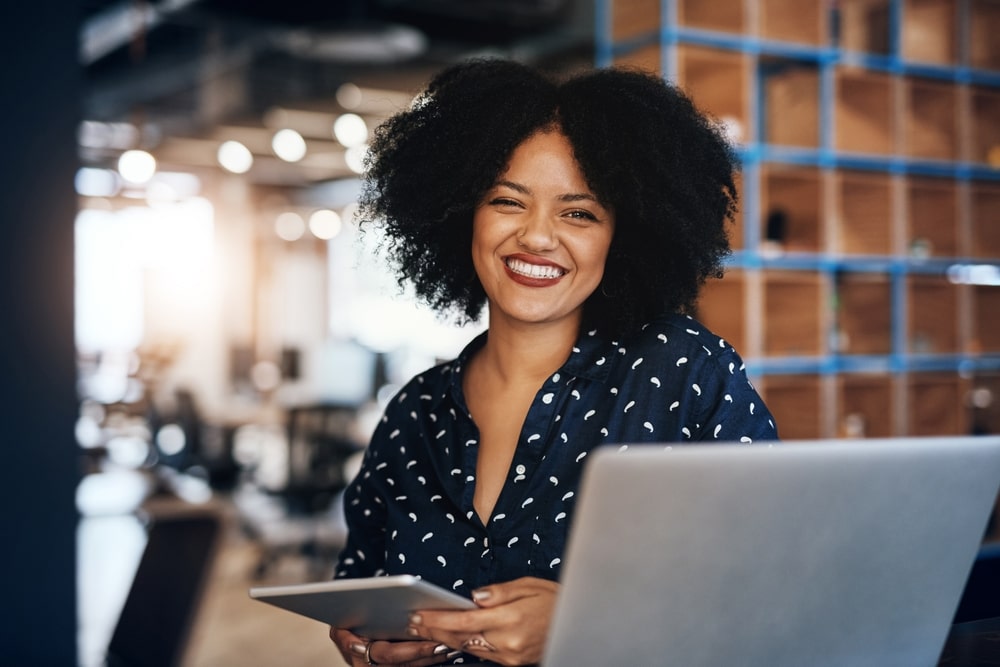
(538, 271)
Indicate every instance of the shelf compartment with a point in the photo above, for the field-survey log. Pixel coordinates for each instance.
(984, 47)
(864, 26)
(791, 103)
(930, 119)
(633, 18)
(864, 201)
(933, 315)
(984, 403)
(985, 126)
(792, 208)
(796, 403)
(719, 15)
(793, 313)
(864, 112)
(985, 213)
(722, 308)
(864, 406)
(864, 314)
(718, 82)
(986, 319)
(935, 404)
(929, 31)
(793, 21)
(932, 228)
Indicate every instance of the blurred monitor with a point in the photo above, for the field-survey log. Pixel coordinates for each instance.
(343, 372)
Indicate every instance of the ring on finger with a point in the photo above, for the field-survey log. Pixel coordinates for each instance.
(368, 654)
(478, 642)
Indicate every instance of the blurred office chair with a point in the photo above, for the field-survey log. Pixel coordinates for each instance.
(199, 444)
(155, 622)
(302, 518)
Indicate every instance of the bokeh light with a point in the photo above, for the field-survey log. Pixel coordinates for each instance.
(289, 226)
(325, 224)
(136, 166)
(288, 145)
(350, 130)
(235, 157)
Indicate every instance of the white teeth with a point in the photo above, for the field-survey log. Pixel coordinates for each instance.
(534, 270)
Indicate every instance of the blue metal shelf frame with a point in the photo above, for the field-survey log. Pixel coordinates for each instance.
(754, 154)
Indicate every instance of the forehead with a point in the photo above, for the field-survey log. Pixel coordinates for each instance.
(545, 156)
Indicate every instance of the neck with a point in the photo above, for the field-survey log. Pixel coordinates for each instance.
(516, 351)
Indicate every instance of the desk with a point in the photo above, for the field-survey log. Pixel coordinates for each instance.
(973, 643)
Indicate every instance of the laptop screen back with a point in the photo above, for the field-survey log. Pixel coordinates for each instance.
(801, 553)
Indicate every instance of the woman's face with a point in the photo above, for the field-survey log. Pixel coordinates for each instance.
(540, 237)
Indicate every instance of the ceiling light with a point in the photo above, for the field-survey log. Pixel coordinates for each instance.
(235, 157)
(136, 166)
(289, 145)
(289, 226)
(350, 130)
(324, 224)
(349, 96)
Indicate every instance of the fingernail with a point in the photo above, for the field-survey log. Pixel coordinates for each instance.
(453, 654)
(441, 648)
(412, 631)
(479, 596)
(359, 648)
(415, 619)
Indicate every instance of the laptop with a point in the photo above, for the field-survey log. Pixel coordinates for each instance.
(850, 552)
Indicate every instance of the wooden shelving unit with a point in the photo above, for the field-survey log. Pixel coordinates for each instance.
(864, 290)
(864, 406)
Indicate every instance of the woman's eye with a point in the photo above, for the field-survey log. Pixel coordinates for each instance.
(503, 201)
(582, 215)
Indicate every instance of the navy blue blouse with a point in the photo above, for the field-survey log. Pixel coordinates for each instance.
(410, 511)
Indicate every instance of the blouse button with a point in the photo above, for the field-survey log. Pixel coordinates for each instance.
(520, 469)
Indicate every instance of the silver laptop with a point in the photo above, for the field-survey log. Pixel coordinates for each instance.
(801, 553)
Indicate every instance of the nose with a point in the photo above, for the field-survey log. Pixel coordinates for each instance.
(538, 233)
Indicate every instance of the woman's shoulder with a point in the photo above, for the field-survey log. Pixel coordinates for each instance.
(677, 334)
(427, 384)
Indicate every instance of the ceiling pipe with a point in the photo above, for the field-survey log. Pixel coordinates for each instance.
(119, 24)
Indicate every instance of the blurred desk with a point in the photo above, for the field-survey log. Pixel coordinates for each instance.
(141, 563)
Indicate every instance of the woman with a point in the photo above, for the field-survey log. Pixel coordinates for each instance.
(594, 210)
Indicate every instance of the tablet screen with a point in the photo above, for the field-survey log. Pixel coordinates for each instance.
(375, 607)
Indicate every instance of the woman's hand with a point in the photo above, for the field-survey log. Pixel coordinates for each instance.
(360, 652)
(510, 626)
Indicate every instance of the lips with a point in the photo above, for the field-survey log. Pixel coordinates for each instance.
(533, 273)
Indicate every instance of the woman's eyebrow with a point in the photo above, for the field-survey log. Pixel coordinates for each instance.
(523, 189)
(578, 196)
(568, 197)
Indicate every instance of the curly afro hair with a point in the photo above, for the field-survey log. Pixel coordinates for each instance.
(662, 167)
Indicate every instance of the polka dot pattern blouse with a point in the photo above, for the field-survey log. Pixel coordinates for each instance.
(410, 508)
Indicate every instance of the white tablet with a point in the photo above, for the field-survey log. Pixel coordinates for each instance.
(375, 607)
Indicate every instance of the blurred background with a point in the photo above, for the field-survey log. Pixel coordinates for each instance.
(202, 339)
(236, 336)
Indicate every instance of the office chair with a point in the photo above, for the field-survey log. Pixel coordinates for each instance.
(155, 622)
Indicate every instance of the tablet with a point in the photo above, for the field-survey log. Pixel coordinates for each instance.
(374, 607)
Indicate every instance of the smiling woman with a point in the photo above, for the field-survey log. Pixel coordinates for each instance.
(540, 237)
(584, 215)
